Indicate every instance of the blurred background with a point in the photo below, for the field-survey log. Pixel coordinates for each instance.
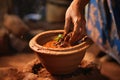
(20, 20)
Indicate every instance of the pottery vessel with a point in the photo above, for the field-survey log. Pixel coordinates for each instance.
(58, 60)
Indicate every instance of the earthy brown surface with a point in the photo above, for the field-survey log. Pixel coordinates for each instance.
(35, 71)
(26, 66)
(82, 73)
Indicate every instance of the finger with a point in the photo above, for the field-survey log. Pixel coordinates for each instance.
(82, 30)
(83, 24)
(67, 37)
(79, 30)
(68, 23)
(74, 38)
(76, 32)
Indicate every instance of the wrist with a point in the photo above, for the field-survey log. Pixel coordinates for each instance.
(80, 3)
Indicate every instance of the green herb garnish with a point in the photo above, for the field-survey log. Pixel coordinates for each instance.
(60, 36)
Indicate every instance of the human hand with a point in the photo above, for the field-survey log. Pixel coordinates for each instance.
(74, 22)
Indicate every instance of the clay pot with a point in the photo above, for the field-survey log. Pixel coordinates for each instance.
(58, 60)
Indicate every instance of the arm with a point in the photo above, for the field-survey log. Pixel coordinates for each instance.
(80, 3)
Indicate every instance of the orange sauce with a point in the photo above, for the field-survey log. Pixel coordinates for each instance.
(53, 44)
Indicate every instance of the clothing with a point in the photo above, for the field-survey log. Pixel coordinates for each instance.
(103, 25)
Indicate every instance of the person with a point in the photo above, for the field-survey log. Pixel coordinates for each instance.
(101, 24)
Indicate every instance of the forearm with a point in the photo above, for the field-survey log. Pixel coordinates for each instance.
(81, 3)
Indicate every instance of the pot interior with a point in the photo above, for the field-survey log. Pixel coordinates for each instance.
(44, 38)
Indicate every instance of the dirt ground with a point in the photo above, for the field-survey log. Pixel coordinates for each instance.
(24, 66)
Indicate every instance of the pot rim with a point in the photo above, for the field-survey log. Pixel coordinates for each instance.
(57, 51)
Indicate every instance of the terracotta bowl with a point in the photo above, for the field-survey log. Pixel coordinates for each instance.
(58, 60)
